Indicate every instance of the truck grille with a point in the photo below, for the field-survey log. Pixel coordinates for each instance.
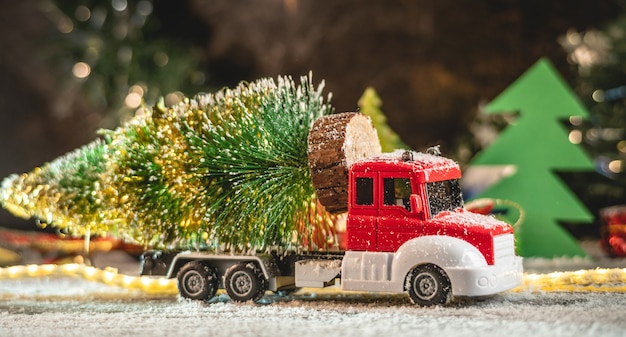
(504, 248)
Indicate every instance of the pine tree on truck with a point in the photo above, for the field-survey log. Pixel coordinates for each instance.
(407, 231)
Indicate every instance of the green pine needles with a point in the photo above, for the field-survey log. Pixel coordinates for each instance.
(257, 161)
(66, 192)
(226, 170)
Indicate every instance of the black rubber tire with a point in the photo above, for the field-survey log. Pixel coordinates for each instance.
(245, 282)
(428, 285)
(197, 281)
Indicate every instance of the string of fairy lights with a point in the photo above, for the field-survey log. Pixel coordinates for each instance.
(108, 276)
(593, 280)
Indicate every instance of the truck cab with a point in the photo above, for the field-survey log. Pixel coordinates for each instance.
(406, 213)
(393, 197)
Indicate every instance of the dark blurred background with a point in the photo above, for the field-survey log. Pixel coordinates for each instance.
(68, 68)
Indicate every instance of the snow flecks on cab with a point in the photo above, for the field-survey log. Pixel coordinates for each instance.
(466, 218)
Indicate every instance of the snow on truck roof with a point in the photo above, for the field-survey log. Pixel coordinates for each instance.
(412, 160)
(426, 167)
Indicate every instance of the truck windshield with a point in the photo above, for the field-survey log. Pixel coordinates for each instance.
(444, 196)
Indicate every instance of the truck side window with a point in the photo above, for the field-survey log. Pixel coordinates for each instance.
(397, 192)
(365, 191)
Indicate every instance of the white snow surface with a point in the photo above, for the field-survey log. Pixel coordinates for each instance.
(53, 307)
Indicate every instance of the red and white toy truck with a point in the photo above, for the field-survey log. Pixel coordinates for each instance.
(406, 231)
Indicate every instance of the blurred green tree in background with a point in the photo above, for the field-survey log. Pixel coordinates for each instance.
(598, 57)
(118, 52)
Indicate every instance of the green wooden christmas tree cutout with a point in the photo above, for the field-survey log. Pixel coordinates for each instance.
(537, 145)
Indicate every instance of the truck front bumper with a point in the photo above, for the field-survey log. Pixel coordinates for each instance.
(486, 280)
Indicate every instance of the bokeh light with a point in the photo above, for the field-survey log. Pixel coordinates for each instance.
(575, 137)
(82, 13)
(81, 70)
(119, 5)
(615, 166)
(133, 100)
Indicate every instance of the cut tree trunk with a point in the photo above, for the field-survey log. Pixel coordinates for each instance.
(335, 142)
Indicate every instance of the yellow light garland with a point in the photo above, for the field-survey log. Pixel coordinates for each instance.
(595, 280)
(108, 276)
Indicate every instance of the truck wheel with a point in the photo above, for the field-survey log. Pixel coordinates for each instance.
(197, 281)
(428, 285)
(245, 282)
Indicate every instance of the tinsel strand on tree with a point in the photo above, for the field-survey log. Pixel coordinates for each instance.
(227, 169)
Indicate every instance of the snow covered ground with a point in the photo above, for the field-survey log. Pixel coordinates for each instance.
(65, 306)
(71, 306)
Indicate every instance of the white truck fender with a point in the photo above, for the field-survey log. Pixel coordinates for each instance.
(443, 251)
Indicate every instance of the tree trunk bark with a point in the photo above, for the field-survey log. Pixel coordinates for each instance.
(335, 142)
